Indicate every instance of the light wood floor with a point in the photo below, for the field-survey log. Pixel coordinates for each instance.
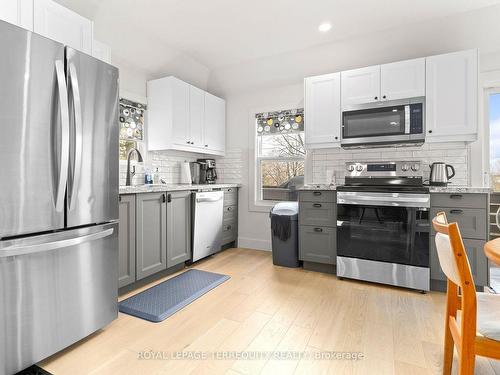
(268, 308)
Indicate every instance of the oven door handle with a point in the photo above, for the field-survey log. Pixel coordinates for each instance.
(389, 200)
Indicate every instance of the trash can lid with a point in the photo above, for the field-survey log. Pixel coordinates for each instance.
(286, 208)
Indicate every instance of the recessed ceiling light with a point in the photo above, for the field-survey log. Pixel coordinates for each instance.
(324, 27)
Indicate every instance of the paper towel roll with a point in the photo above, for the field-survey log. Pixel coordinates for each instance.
(185, 173)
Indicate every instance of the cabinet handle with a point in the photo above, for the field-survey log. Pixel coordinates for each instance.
(169, 198)
(430, 131)
(383, 97)
(336, 137)
(163, 198)
(376, 98)
(317, 193)
(188, 142)
(206, 145)
(458, 212)
(229, 209)
(229, 189)
(228, 227)
(319, 230)
(456, 196)
(317, 205)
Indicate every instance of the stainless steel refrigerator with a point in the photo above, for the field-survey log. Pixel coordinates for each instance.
(58, 196)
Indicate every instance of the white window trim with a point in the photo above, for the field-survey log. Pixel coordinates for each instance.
(254, 203)
(480, 151)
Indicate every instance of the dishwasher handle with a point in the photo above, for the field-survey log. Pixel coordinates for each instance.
(208, 199)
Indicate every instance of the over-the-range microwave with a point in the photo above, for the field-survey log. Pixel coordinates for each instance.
(384, 124)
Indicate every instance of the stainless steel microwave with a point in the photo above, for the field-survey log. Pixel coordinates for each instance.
(383, 124)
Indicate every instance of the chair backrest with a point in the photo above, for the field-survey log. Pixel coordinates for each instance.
(451, 252)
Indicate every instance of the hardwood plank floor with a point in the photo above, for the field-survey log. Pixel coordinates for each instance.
(275, 309)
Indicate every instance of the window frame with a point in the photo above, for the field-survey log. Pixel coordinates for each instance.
(255, 201)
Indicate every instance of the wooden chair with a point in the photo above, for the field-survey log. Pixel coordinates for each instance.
(476, 330)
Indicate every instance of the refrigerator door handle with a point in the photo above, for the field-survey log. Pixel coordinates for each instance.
(78, 134)
(20, 249)
(64, 156)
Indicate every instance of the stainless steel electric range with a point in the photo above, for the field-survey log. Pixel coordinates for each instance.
(383, 224)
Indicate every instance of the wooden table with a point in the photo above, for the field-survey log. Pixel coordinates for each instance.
(492, 250)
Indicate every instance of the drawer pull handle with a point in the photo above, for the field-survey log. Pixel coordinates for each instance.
(317, 193)
(318, 230)
(456, 196)
(229, 209)
(456, 211)
(318, 205)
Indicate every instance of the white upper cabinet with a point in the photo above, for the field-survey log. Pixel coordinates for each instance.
(402, 80)
(63, 25)
(451, 96)
(183, 117)
(196, 116)
(17, 12)
(322, 111)
(215, 123)
(101, 51)
(360, 86)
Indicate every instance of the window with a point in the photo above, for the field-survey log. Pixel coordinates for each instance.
(280, 154)
(131, 126)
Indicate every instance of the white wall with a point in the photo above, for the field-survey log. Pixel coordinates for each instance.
(277, 80)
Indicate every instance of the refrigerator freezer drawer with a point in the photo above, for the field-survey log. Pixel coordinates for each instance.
(55, 290)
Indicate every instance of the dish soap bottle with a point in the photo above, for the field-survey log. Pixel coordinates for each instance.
(147, 177)
(156, 176)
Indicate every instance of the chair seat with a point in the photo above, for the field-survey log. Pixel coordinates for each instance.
(488, 315)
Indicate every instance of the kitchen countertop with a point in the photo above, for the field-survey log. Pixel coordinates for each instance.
(459, 189)
(171, 187)
(318, 187)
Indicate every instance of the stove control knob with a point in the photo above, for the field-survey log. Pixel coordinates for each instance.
(350, 167)
(415, 167)
(359, 167)
(405, 167)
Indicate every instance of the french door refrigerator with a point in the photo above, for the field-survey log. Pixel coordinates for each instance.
(58, 197)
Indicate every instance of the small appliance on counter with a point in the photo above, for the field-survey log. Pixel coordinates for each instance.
(195, 172)
(208, 173)
(441, 174)
(186, 173)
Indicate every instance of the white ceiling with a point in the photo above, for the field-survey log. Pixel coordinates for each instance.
(151, 34)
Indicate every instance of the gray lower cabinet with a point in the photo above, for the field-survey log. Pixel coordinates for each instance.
(126, 252)
(178, 227)
(151, 233)
(317, 244)
(470, 211)
(318, 226)
(230, 223)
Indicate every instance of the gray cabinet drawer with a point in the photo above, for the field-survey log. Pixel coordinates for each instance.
(316, 213)
(230, 199)
(477, 259)
(229, 231)
(317, 244)
(231, 212)
(458, 200)
(318, 196)
(471, 221)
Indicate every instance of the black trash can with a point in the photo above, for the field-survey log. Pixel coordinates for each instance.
(284, 233)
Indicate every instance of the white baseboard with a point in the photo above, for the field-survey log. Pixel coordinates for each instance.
(252, 243)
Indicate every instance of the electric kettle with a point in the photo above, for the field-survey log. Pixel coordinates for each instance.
(441, 174)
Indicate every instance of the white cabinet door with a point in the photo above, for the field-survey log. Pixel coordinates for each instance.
(402, 80)
(101, 51)
(196, 116)
(451, 96)
(63, 25)
(215, 123)
(17, 12)
(180, 112)
(360, 86)
(322, 111)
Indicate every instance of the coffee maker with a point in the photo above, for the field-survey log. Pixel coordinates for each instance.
(208, 173)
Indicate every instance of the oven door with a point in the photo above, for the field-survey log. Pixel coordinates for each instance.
(384, 227)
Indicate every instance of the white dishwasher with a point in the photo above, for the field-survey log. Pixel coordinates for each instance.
(207, 223)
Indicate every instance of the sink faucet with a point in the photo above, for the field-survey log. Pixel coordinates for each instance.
(131, 173)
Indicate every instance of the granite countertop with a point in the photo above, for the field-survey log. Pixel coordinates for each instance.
(318, 187)
(459, 189)
(171, 187)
